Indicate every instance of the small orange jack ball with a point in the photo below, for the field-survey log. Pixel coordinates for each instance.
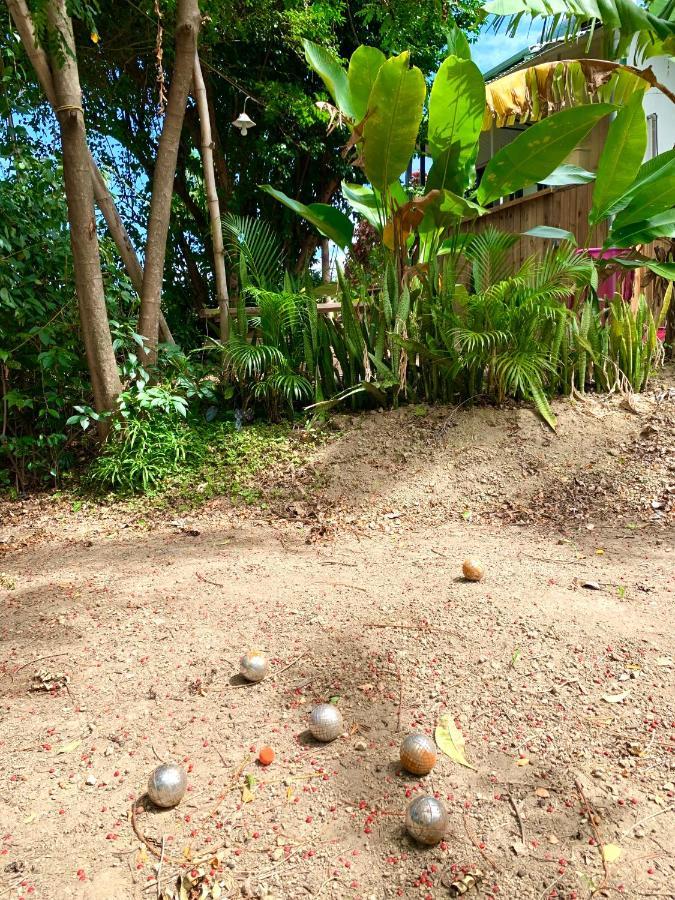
(472, 569)
(266, 756)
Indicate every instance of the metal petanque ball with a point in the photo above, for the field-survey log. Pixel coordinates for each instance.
(426, 820)
(167, 784)
(253, 665)
(325, 722)
(418, 754)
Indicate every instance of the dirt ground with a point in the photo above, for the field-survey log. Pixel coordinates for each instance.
(557, 668)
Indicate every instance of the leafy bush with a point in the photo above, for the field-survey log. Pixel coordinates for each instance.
(43, 373)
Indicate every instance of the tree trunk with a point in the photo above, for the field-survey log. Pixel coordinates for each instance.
(325, 261)
(212, 200)
(81, 217)
(188, 21)
(24, 25)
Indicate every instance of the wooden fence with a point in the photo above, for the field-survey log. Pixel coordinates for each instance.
(561, 207)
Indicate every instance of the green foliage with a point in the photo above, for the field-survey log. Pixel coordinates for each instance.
(255, 250)
(536, 152)
(621, 157)
(42, 367)
(328, 220)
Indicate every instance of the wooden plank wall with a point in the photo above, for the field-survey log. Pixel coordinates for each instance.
(565, 207)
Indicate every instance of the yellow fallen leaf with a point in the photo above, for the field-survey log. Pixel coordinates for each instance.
(451, 741)
(289, 793)
(615, 698)
(611, 852)
(599, 551)
(664, 661)
(69, 747)
(246, 794)
(522, 762)
(31, 818)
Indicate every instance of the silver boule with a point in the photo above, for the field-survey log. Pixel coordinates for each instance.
(167, 785)
(254, 665)
(426, 820)
(418, 754)
(325, 722)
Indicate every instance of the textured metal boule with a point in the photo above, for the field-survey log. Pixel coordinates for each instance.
(167, 785)
(253, 665)
(418, 754)
(325, 722)
(426, 820)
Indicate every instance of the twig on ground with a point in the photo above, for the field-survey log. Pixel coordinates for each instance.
(474, 840)
(289, 666)
(346, 584)
(34, 661)
(547, 890)
(518, 816)
(230, 787)
(653, 816)
(596, 833)
(408, 627)
(159, 871)
(207, 581)
(157, 756)
(150, 843)
(400, 697)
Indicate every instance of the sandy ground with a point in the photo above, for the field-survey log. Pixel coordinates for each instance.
(351, 582)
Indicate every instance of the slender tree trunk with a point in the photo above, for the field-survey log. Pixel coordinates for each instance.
(188, 21)
(212, 200)
(24, 25)
(325, 261)
(80, 197)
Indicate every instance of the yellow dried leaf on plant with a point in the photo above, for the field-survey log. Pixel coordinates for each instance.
(451, 741)
(94, 37)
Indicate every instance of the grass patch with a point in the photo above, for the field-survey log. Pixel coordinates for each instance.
(190, 462)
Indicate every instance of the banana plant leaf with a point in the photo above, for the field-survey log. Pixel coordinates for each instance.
(626, 16)
(392, 121)
(370, 204)
(652, 192)
(326, 66)
(550, 233)
(531, 94)
(536, 152)
(456, 107)
(330, 222)
(621, 157)
(644, 231)
(568, 174)
(364, 65)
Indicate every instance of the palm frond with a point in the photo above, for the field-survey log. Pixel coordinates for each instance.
(488, 253)
(253, 243)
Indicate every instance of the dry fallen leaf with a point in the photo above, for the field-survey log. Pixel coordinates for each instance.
(664, 661)
(451, 741)
(616, 698)
(542, 792)
(611, 852)
(69, 747)
(522, 762)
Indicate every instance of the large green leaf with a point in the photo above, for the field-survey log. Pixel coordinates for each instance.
(626, 16)
(326, 66)
(364, 65)
(330, 222)
(651, 192)
(661, 225)
(392, 120)
(656, 194)
(621, 157)
(457, 42)
(568, 174)
(448, 209)
(536, 152)
(370, 204)
(456, 108)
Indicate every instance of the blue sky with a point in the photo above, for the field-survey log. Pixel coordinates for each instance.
(490, 49)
